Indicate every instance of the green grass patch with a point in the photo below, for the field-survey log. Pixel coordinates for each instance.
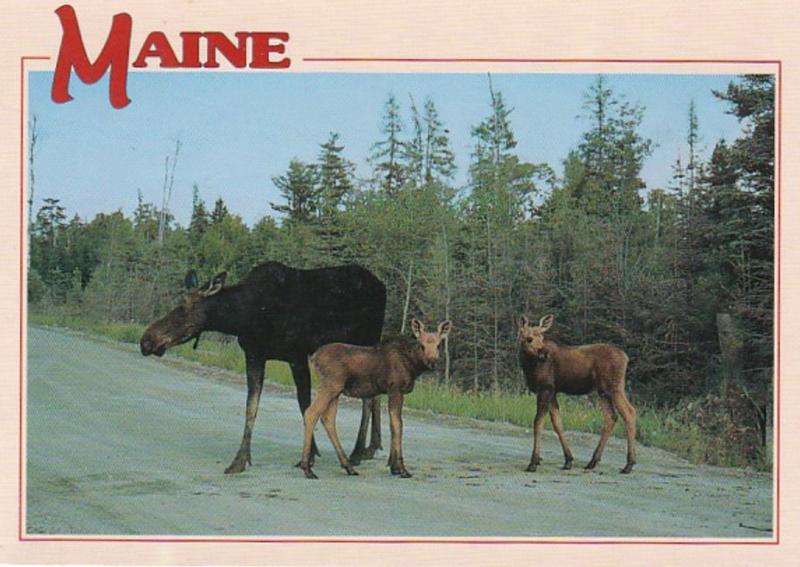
(212, 350)
(657, 427)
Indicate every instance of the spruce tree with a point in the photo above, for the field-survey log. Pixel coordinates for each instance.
(387, 154)
(299, 189)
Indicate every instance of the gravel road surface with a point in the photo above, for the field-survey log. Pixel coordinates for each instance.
(122, 444)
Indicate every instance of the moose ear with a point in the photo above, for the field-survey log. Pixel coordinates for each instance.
(546, 322)
(215, 285)
(190, 281)
(445, 328)
(523, 322)
(417, 328)
(219, 279)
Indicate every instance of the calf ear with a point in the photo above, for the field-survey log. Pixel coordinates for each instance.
(546, 322)
(444, 328)
(523, 322)
(190, 281)
(416, 327)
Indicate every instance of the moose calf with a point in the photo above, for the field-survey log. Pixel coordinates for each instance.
(364, 372)
(551, 368)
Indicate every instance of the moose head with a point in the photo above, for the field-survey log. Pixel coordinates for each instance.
(186, 321)
(531, 337)
(429, 342)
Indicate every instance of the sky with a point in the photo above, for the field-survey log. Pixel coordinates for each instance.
(239, 130)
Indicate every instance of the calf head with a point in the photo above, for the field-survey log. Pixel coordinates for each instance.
(531, 337)
(186, 321)
(429, 342)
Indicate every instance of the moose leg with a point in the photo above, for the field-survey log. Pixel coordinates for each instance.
(396, 423)
(370, 408)
(310, 418)
(302, 381)
(629, 417)
(255, 381)
(609, 420)
(375, 435)
(329, 421)
(555, 419)
(359, 451)
(542, 409)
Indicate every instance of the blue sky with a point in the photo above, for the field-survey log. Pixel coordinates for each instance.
(238, 130)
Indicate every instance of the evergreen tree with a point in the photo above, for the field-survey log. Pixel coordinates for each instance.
(300, 190)
(335, 179)
(200, 218)
(439, 160)
(746, 233)
(613, 153)
(428, 156)
(220, 212)
(50, 220)
(146, 218)
(387, 155)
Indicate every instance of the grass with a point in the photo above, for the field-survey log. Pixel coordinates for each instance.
(657, 427)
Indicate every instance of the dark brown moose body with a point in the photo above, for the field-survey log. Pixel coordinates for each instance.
(551, 368)
(363, 372)
(280, 313)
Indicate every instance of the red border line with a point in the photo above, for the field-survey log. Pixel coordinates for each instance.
(22, 260)
(80, 539)
(462, 541)
(777, 323)
(526, 60)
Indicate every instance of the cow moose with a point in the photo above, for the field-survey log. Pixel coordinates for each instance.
(365, 372)
(280, 313)
(551, 368)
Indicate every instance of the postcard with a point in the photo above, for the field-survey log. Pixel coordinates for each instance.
(334, 283)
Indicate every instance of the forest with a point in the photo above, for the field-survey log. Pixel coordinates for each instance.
(681, 277)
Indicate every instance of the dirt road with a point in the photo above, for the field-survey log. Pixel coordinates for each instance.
(121, 444)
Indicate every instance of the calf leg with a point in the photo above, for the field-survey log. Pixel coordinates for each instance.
(542, 409)
(555, 419)
(625, 408)
(375, 436)
(396, 423)
(609, 420)
(371, 408)
(329, 421)
(302, 381)
(359, 451)
(310, 418)
(255, 382)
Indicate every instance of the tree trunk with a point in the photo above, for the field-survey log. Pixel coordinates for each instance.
(33, 134)
(730, 347)
(408, 297)
(446, 307)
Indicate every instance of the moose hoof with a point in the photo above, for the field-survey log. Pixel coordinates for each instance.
(628, 468)
(357, 456)
(590, 465)
(567, 465)
(402, 473)
(237, 466)
(351, 471)
(531, 468)
(309, 473)
(299, 464)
